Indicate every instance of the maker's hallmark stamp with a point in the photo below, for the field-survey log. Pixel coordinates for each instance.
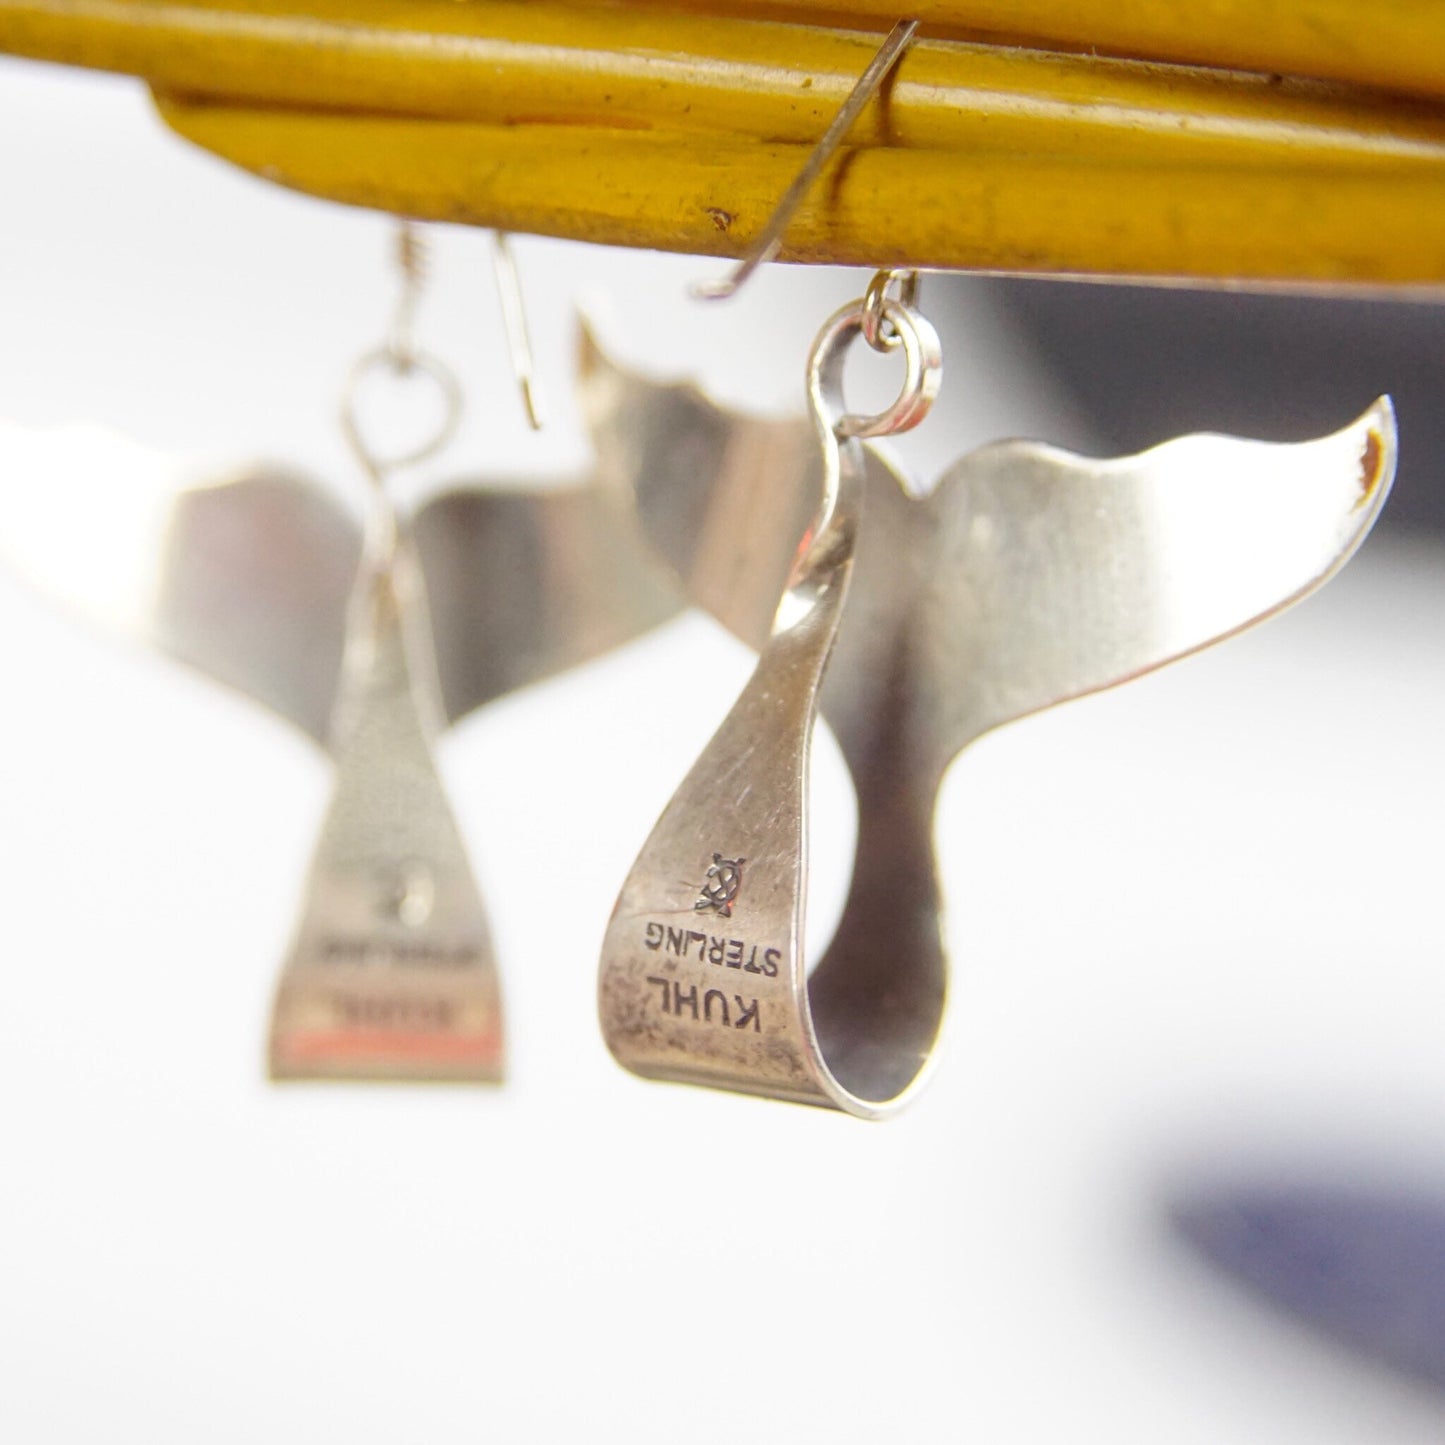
(714, 1007)
(727, 876)
(723, 952)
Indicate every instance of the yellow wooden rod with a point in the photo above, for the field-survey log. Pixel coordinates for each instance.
(545, 62)
(1394, 44)
(535, 115)
(1368, 223)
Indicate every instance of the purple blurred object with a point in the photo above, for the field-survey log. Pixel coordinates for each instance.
(1367, 1269)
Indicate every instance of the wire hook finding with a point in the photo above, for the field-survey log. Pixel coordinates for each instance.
(770, 239)
(401, 358)
(514, 324)
(879, 330)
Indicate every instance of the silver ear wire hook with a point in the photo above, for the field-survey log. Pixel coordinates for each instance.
(770, 239)
(514, 323)
(411, 259)
(879, 330)
(398, 356)
(402, 356)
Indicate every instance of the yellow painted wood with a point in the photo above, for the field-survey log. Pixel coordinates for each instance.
(1394, 44)
(1047, 213)
(538, 61)
(653, 126)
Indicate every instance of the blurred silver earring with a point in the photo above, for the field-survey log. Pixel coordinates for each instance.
(391, 974)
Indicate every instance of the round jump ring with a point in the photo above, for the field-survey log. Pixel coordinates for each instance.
(878, 332)
(398, 364)
(923, 361)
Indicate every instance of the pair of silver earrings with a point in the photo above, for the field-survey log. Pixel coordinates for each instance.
(913, 620)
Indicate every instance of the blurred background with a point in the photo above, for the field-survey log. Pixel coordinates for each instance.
(1179, 1176)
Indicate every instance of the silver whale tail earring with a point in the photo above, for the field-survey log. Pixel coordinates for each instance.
(1028, 576)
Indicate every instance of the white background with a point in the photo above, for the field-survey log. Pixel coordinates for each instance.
(1195, 923)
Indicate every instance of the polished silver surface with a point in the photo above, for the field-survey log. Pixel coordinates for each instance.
(246, 577)
(1027, 577)
(521, 585)
(391, 974)
(702, 975)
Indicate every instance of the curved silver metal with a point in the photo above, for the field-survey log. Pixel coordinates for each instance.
(415, 362)
(702, 975)
(263, 581)
(769, 241)
(877, 330)
(1029, 576)
(391, 974)
(246, 575)
(923, 362)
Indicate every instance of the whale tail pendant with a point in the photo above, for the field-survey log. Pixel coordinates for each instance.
(915, 622)
(391, 974)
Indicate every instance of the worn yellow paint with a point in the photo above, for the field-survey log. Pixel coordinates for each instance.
(1394, 44)
(663, 126)
(1045, 213)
